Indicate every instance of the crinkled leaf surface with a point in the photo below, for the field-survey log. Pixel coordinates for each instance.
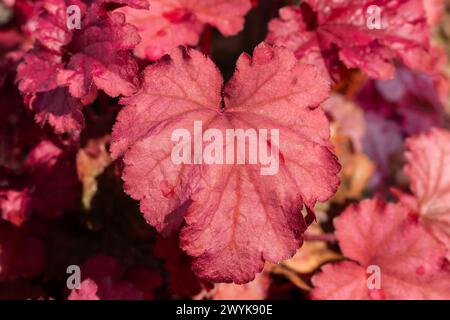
(332, 34)
(235, 218)
(65, 70)
(171, 23)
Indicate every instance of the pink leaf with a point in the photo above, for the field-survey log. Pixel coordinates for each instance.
(48, 24)
(224, 206)
(168, 24)
(40, 77)
(387, 236)
(38, 71)
(428, 168)
(349, 117)
(332, 35)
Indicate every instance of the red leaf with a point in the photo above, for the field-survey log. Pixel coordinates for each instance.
(87, 291)
(227, 205)
(21, 255)
(59, 76)
(48, 24)
(373, 233)
(38, 71)
(53, 180)
(59, 109)
(104, 279)
(331, 35)
(168, 24)
(102, 60)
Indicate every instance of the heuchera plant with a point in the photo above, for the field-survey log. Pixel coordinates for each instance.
(209, 149)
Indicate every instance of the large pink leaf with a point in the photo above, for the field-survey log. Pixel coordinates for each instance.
(170, 23)
(225, 206)
(332, 35)
(57, 107)
(38, 71)
(87, 291)
(341, 281)
(46, 186)
(48, 24)
(39, 78)
(106, 290)
(411, 262)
